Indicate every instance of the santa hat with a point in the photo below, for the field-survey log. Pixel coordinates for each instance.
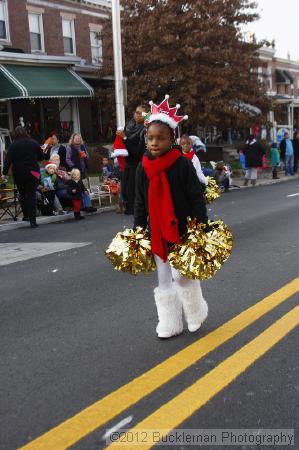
(50, 165)
(119, 147)
(120, 152)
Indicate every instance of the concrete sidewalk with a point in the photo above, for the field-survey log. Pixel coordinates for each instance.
(50, 219)
(238, 182)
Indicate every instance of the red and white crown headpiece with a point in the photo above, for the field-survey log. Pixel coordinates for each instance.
(164, 113)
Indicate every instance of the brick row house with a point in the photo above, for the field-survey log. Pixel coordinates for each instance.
(280, 76)
(50, 55)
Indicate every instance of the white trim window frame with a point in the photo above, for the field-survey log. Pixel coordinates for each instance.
(96, 45)
(4, 23)
(68, 34)
(36, 31)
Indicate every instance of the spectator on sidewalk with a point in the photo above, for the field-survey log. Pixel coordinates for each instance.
(55, 148)
(76, 154)
(221, 175)
(23, 155)
(134, 140)
(275, 160)
(287, 153)
(296, 150)
(76, 188)
(62, 191)
(107, 168)
(254, 158)
(48, 184)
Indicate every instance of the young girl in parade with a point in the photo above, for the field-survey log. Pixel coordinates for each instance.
(188, 152)
(168, 191)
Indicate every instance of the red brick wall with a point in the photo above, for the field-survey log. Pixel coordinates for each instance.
(52, 23)
(19, 26)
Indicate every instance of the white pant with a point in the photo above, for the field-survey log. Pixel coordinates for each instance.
(167, 274)
(251, 173)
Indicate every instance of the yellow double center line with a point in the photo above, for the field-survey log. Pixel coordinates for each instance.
(177, 410)
(102, 411)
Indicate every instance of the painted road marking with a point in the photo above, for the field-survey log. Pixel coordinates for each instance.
(94, 416)
(293, 195)
(120, 425)
(180, 408)
(22, 251)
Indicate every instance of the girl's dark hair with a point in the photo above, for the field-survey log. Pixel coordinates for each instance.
(20, 133)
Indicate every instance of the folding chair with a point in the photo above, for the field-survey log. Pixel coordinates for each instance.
(9, 203)
(99, 191)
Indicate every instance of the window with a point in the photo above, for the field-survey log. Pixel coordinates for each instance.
(68, 31)
(96, 47)
(4, 117)
(3, 21)
(36, 32)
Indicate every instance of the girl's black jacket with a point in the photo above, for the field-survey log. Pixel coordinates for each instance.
(78, 187)
(186, 191)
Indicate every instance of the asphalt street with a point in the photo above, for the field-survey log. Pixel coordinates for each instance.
(73, 330)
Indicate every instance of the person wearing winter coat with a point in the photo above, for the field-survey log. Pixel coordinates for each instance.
(134, 141)
(275, 160)
(53, 147)
(76, 154)
(76, 189)
(254, 158)
(286, 148)
(168, 191)
(23, 155)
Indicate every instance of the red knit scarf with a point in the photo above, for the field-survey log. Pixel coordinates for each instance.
(163, 222)
(189, 155)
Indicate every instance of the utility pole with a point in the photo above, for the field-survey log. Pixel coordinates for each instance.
(118, 70)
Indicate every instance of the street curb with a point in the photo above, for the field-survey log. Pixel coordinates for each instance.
(269, 182)
(51, 219)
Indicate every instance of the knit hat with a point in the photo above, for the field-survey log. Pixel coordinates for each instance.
(50, 165)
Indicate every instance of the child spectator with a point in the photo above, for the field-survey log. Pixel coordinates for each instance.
(48, 183)
(188, 152)
(275, 160)
(107, 168)
(76, 188)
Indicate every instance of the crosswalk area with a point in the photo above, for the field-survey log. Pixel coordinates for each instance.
(22, 251)
(114, 411)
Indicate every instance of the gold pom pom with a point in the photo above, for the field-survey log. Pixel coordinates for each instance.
(202, 252)
(212, 190)
(130, 251)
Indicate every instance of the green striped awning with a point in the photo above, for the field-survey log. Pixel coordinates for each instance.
(19, 81)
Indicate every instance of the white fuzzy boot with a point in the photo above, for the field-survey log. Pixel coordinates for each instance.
(170, 313)
(194, 305)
